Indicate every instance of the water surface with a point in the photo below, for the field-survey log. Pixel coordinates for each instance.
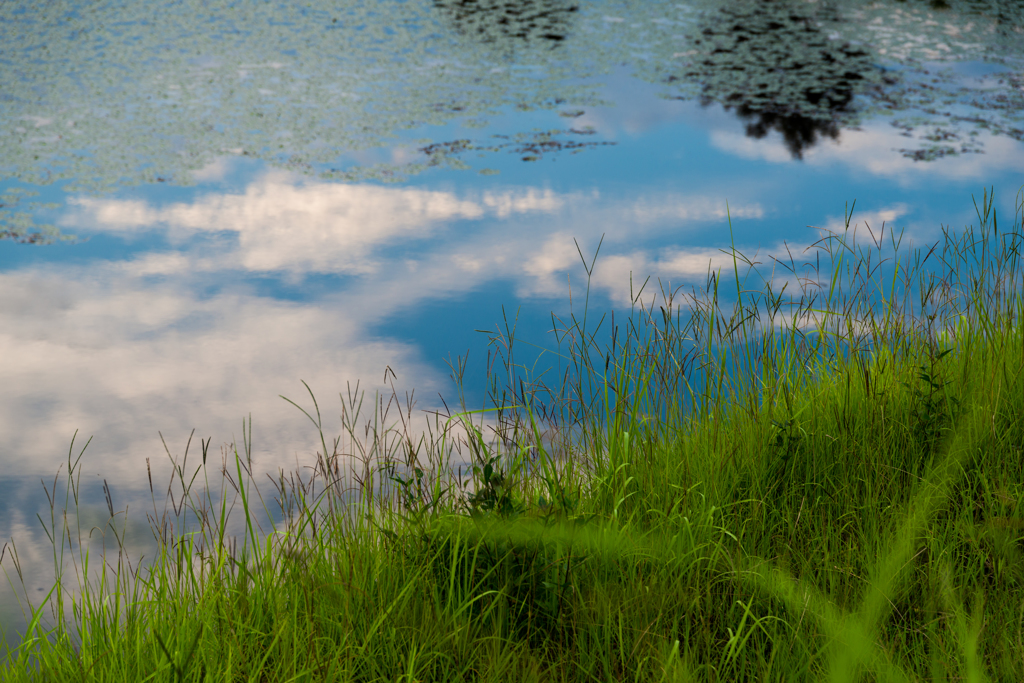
(204, 205)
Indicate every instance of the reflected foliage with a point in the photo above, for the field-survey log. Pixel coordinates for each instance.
(17, 223)
(504, 23)
(531, 146)
(775, 66)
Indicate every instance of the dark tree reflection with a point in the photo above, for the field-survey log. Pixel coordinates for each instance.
(778, 69)
(503, 23)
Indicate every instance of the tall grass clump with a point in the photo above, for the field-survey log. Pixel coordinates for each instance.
(807, 470)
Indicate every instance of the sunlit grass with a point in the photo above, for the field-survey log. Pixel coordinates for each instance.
(819, 478)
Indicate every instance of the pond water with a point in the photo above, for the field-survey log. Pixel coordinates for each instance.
(203, 205)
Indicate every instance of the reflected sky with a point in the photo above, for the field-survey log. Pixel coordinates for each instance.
(261, 195)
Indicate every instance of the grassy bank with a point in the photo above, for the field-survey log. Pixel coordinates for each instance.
(819, 479)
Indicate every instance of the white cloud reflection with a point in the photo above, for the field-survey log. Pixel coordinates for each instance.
(284, 224)
(875, 148)
(100, 351)
(621, 277)
(122, 348)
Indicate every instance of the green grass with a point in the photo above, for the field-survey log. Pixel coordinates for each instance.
(816, 481)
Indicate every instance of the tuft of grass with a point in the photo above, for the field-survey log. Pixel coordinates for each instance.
(817, 478)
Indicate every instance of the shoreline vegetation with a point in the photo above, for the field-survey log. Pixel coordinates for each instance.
(820, 478)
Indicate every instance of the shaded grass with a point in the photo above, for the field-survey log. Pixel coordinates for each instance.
(819, 480)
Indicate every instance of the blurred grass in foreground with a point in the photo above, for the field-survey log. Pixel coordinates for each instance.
(820, 479)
